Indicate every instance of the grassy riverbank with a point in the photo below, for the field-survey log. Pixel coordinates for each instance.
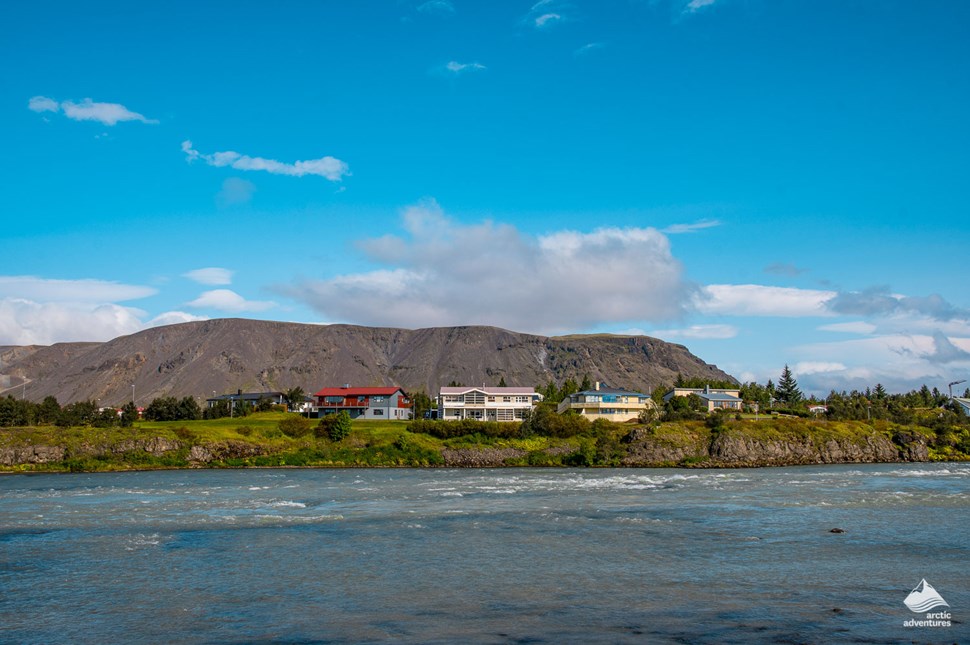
(258, 441)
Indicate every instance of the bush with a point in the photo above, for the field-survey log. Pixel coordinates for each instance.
(294, 425)
(334, 426)
(464, 427)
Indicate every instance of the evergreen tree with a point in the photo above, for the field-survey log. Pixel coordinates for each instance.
(501, 382)
(586, 384)
(129, 414)
(787, 390)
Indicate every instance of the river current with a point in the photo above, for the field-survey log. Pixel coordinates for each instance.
(484, 556)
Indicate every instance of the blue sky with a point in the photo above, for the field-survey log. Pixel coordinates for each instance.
(766, 182)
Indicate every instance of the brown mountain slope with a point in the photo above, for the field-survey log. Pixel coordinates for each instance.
(199, 358)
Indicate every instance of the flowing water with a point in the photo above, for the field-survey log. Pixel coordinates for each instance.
(508, 555)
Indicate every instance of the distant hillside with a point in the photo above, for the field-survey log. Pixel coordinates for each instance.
(199, 358)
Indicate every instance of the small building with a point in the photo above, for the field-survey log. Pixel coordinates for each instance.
(607, 403)
(486, 403)
(364, 402)
(251, 398)
(715, 398)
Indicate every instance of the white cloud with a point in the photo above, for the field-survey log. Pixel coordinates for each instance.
(900, 362)
(547, 13)
(854, 327)
(328, 167)
(210, 275)
(804, 368)
(696, 5)
(674, 229)
(173, 318)
(439, 7)
(43, 104)
(88, 110)
(588, 48)
(456, 68)
(547, 18)
(760, 300)
(448, 273)
(228, 301)
(235, 191)
(46, 290)
(698, 332)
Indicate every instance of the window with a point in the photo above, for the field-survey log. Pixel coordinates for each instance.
(377, 399)
(334, 399)
(378, 412)
(522, 399)
(475, 398)
(609, 398)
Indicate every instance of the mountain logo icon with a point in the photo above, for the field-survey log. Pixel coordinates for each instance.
(924, 598)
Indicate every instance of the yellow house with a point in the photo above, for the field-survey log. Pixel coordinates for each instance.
(607, 403)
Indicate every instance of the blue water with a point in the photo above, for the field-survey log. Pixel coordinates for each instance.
(489, 556)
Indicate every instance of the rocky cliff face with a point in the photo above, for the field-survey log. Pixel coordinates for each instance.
(199, 358)
(736, 449)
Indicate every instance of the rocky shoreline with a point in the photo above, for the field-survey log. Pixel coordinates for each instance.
(641, 449)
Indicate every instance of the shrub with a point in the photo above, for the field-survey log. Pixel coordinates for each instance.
(334, 426)
(294, 425)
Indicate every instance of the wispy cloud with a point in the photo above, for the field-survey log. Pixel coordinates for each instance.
(437, 7)
(210, 275)
(696, 5)
(676, 229)
(785, 269)
(229, 301)
(51, 290)
(235, 191)
(854, 327)
(447, 273)
(88, 110)
(760, 300)
(588, 48)
(546, 13)
(698, 332)
(328, 167)
(455, 68)
(878, 301)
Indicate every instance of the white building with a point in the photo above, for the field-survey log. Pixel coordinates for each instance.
(486, 403)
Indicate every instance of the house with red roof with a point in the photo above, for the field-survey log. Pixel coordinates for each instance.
(364, 402)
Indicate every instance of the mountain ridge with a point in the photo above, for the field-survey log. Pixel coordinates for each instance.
(223, 355)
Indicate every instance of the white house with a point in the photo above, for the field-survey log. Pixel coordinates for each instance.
(486, 403)
(714, 398)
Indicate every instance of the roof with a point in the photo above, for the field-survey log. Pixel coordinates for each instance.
(611, 390)
(493, 391)
(359, 391)
(717, 396)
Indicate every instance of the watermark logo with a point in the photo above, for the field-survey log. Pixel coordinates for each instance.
(923, 599)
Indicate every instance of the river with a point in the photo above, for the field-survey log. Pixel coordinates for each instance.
(484, 556)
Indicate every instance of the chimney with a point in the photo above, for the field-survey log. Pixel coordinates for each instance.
(596, 386)
(238, 392)
(707, 389)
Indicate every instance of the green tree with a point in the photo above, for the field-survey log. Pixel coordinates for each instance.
(295, 397)
(586, 384)
(48, 411)
(129, 414)
(787, 390)
(501, 382)
(420, 404)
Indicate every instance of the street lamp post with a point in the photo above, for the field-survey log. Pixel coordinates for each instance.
(952, 383)
(133, 394)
